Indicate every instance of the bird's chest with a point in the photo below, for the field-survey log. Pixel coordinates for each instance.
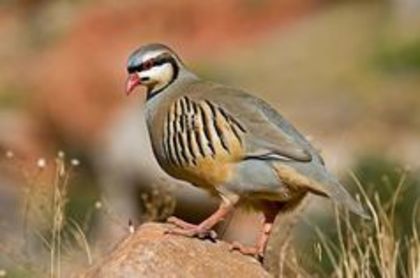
(197, 142)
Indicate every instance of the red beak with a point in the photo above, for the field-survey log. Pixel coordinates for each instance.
(132, 82)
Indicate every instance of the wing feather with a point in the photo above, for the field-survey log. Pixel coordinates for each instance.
(267, 134)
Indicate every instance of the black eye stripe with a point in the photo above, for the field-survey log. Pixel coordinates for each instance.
(157, 61)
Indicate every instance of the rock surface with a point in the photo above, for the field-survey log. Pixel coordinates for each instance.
(149, 252)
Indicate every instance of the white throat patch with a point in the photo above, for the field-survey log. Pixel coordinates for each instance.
(157, 76)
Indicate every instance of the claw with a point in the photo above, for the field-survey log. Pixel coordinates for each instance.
(190, 230)
(210, 235)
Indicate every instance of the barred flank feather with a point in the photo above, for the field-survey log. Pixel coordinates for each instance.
(194, 130)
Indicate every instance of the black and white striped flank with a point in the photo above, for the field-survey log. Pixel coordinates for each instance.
(197, 130)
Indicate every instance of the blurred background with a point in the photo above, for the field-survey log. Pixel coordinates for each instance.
(346, 73)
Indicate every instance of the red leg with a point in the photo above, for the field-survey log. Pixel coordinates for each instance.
(259, 248)
(191, 230)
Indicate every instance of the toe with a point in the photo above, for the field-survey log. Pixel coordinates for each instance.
(182, 232)
(246, 250)
(180, 223)
(234, 246)
(171, 219)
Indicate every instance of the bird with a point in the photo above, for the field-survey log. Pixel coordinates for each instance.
(228, 142)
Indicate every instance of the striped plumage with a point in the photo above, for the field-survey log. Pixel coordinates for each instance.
(197, 130)
(200, 140)
(227, 141)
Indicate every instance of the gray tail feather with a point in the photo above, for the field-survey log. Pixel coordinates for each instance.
(332, 188)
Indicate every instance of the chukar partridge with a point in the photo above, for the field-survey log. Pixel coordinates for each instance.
(228, 142)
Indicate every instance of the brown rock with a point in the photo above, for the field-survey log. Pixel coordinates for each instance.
(151, 253)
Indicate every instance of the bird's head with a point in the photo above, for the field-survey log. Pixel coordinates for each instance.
(154, 66)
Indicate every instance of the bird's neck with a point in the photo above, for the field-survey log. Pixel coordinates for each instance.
(157, 103)
(157, 99)
(153, 91)
(182, 77)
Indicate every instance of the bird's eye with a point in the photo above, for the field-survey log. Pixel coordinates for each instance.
(147, 64)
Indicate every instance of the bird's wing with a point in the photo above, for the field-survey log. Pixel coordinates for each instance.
(267, 134)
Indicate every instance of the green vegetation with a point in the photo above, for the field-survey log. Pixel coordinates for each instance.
(402, 57)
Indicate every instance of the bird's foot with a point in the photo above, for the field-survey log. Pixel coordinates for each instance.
(190, 230)
(180, 223)
(254, 251)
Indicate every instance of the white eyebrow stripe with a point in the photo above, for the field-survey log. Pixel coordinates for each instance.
(151, 55)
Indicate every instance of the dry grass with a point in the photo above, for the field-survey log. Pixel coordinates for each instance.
(59, 200)
(47, 231)
(364, 248)
(159, 204)
(51, 237)
(375, 248)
